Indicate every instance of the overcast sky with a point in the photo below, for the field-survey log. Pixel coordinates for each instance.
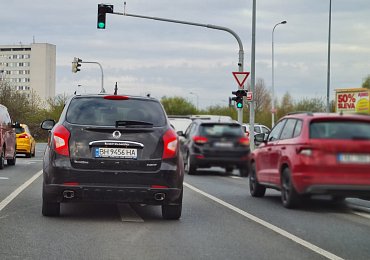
(167, 59)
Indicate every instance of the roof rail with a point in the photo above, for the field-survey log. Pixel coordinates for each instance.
(301, 112)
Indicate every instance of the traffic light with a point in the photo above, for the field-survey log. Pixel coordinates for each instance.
(76, 64)
(239, 94)
(102, 10)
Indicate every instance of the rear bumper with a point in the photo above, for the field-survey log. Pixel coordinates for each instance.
(349, 183)
(82, 193)
(208, 161)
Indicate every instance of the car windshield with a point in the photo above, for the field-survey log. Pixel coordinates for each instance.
(106, 112)
(340, 130)
(19, 130)
(221, 130)
(180, 124)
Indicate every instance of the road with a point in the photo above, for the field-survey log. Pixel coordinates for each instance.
(220, 221)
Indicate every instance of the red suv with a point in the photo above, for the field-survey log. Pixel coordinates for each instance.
(307, 154)
(7, 138)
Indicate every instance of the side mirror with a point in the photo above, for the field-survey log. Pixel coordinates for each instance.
(180, 133)
(260, 138)
(47, 124)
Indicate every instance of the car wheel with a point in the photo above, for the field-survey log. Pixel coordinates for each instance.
(173, 212)
(289, 196)
(33, 152)
(229, 170)
(189, 167)
(243, 171)
(50, 209)
(28, 155)
(2, 159)
(13, 160)
(255, 189)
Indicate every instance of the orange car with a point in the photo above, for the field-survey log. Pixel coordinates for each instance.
(26, 144)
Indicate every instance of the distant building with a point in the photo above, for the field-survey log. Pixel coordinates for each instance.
(29, 67)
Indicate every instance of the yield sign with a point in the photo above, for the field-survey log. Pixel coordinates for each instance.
(241, 77)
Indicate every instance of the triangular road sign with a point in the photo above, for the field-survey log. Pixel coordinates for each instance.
(241, 77)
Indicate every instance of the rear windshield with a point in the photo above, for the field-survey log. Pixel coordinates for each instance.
(105, 112)
(340, 130)
(221, 130)
(19, 130)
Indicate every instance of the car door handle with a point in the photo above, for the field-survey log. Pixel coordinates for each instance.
(283, 148)
(269, 149)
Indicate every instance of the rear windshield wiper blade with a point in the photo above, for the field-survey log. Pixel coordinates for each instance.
(128, 123)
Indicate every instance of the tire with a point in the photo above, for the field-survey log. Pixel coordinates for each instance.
(229, 170)
(50, 209)
(33, 152)
(28, 155)
(255, 189)
(2, 159)
(244, 172)
(289, 196)
(189, 167)
(172, 212)
(13, 160)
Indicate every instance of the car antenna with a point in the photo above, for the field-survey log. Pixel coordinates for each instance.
(115, 89)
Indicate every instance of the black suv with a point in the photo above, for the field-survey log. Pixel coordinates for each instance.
(112, 148)
(208, 143)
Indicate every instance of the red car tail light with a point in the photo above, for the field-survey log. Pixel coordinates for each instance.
(23, 136)
(170, 144)
(116, 97)
(158, 187)
(60, 138)
(244, 141)
(200, 139)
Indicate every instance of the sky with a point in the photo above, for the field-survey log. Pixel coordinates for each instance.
(166, 59)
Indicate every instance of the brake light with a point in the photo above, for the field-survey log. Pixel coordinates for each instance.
(60, 138)
(200, 139)
(23, 136)
(116, 97)
(244, 141)
(71, 184)
(170, 144)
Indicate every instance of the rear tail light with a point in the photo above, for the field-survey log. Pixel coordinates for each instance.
(23, 136)
(116, 97)
(244, 141)
(158, 187)
(200, 139)
(60, 139)
(170, 144)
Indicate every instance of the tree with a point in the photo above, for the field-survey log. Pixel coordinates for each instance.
(366, 83)
(312, 105)
(178, 106)
(286, 106)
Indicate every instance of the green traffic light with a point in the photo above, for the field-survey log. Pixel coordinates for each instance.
(101, 25)
(239, 105)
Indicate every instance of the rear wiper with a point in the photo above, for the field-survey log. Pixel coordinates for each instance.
(130, 123)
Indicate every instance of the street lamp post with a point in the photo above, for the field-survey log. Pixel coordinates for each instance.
(197, 99)
(273, 87)
(328, 73)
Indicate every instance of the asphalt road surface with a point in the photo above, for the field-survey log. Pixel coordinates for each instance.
(220, 220)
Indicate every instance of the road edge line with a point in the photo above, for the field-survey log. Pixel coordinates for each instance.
(16, 192)
(270, 226)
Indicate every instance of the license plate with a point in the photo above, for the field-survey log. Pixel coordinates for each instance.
(116, 153)
(223, 144)
(354, 158)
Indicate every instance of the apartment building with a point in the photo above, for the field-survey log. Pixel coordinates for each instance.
(29, 68)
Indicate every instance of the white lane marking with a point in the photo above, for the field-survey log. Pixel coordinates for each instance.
(276, 229)
(15, 193)
(4, 178)
(236, 177)
(128, 214)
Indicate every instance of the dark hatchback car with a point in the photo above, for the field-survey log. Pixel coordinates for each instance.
(208, 143)
(112, 148)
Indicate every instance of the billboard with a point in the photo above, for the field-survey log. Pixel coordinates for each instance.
(353, 100)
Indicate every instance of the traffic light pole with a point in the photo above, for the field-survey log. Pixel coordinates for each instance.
(102, 74)
(211, 26)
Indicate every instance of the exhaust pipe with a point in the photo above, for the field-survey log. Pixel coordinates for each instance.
(68, 194)
(159, 196)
